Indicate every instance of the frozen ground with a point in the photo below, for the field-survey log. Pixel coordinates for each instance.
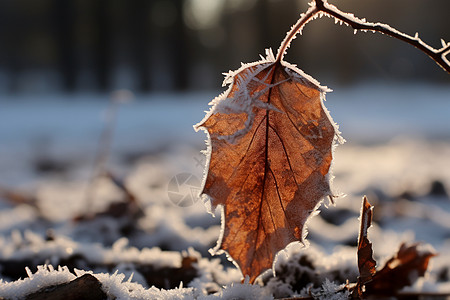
(398, 153)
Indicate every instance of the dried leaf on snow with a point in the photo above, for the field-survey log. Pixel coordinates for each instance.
(409, 263)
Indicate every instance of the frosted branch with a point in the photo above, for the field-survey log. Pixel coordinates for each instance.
(297, 28)
(322, 7)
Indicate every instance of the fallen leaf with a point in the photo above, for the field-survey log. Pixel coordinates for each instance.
(410, 263)
(366, 263)
(271, 141)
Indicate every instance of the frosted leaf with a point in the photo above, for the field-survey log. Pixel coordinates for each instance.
(270, 107)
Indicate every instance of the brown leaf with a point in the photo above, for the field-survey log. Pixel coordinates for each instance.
(402, 270)
(366, 263)
(270, 153)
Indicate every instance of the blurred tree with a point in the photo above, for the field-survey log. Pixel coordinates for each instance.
(10, 38)
(63, 22)
(139, 31)
(179, 48)
(102, 43)
(158, 47)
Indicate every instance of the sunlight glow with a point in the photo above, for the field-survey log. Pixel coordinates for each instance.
(203, 14)
(240, 5)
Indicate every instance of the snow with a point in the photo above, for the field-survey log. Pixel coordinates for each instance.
(332, 291)
(45, 276)
(116, 288)
(398, 144)
(240, 291)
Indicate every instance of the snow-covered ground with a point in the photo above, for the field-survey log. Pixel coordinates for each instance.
(397, 153)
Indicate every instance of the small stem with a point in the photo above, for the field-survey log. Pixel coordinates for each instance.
(101, 157)
(304, 18)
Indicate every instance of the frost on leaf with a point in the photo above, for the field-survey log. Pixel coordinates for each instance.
(271, 141)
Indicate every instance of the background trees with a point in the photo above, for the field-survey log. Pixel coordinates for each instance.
(150, 45)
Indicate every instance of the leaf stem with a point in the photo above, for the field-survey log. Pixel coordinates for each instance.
(304, 18)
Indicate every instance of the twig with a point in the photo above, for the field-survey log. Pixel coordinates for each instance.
(322, 7)
(105, 142)
(304, 19)
(101, 157)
